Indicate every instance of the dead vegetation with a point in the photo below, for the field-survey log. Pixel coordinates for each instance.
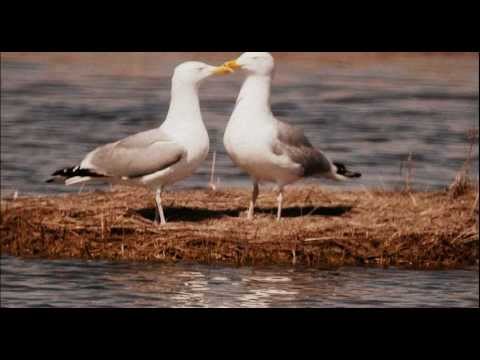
(418, 230)
(463, 181)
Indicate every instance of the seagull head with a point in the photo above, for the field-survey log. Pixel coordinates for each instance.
(258, 63)
(194, 72)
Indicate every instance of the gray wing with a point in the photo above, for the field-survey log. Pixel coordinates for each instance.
(138, 155)
(291, 141)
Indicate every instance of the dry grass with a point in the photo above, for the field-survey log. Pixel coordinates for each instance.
(463, 181)
(420, 230)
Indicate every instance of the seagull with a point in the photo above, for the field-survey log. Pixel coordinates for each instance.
(267, 149)
(159, 157)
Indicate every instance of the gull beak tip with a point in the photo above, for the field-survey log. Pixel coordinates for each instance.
(233, 65)
(223, 70)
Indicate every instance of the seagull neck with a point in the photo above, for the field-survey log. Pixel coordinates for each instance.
(184, 105)
(255, 94)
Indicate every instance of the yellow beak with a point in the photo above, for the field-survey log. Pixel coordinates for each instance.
(233, 65)
(222, 70)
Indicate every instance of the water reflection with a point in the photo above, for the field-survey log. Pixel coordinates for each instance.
(40, 283)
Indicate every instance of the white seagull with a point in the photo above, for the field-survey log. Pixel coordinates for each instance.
(159, 157)
(266, 148)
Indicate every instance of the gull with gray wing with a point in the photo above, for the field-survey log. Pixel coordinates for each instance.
(159, 157)
(266, 148)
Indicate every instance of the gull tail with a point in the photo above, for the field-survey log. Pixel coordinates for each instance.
(343, 173)
(73, 175)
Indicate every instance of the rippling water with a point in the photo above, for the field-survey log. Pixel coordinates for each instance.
(370, 115)
(42, 283)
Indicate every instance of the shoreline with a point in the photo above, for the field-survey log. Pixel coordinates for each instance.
(320, 229)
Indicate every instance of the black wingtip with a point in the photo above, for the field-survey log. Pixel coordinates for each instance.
(353, 175)
(70, 172)
(63, 172)
(342, 170)
(49, 181)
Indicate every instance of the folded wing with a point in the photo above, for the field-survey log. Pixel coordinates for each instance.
(291, 141)
(136, 156)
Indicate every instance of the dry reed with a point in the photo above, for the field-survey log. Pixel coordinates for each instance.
(351, 228)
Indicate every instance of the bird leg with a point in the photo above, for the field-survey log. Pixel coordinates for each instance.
(159, 216)
(280, 203)
(253, 201)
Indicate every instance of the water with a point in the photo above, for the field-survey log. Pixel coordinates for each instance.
(368, 114)
(41, 283)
